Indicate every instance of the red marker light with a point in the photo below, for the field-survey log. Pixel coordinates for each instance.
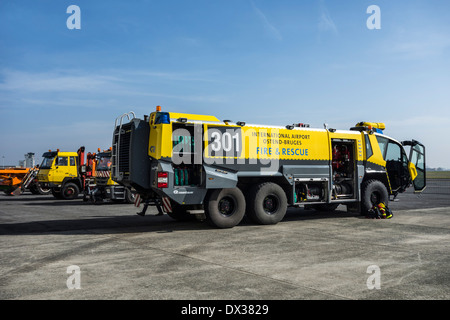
(163, 180)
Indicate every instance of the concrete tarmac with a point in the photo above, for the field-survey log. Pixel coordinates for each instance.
(56, 249)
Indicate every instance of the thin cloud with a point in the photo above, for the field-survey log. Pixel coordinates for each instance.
(20, 81)
(420, 45)
(272, 30)
(326, 23)
(82, 81)
(81, 88)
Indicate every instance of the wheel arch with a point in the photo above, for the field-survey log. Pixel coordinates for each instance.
(76, 181)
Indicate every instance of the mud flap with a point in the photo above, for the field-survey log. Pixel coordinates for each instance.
(137, 201)
(167, 206)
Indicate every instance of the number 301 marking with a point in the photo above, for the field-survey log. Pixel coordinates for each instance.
(225, 141)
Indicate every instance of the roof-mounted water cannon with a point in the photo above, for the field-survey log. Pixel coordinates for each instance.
(377, 127)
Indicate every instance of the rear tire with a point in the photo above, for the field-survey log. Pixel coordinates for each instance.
(56, 193)
(267, 203)
(70, 191)
(225, 208)
(34, 189)
(373, 192)
(43, 190)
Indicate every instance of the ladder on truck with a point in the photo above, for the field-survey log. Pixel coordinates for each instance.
(116, 143)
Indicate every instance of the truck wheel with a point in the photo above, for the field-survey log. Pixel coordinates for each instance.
(70, 191)
(56, 193)
(225, 208)
(43, 190)
(34, 189)
(129, 196)
(373, 192)
(267, 203)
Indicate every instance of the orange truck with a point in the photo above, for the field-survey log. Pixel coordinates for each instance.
(17, 180)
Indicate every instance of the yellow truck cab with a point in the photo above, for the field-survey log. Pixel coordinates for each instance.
(105, 187)
(62, 173)
(197, 165)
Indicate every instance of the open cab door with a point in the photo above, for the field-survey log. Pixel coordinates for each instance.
(417, 164)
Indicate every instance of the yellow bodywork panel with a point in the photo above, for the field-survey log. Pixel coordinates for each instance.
(193, 117)
(412, 170)
(259, 142)
(160, 141)
(377, 156)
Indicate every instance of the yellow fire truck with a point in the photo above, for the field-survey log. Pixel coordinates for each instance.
(196, 165)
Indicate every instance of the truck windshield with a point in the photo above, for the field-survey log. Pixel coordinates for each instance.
(104, 162)
(47, 162)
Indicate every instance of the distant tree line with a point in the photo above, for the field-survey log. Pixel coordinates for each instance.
(437, 169)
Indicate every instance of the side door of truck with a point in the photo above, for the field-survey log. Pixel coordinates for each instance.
(397, 163)
(61, 169)
(417, 164)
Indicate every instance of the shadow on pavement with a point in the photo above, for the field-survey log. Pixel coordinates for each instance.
(134, 223)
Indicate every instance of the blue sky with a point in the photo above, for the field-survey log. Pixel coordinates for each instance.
(259, 61)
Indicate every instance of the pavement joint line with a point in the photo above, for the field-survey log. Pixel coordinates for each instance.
(408, 235)
(229, 268)
(50, 259)
(342, 238)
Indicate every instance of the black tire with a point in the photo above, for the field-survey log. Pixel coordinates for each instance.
(225, 208)
(42, 190)
(267, 203)
(70, 191)
(373, 192)
(129, 196)
(56, 193)
(34, 189)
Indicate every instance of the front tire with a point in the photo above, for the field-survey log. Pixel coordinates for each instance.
(373, 192)
(225, 208)
(70, 191)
